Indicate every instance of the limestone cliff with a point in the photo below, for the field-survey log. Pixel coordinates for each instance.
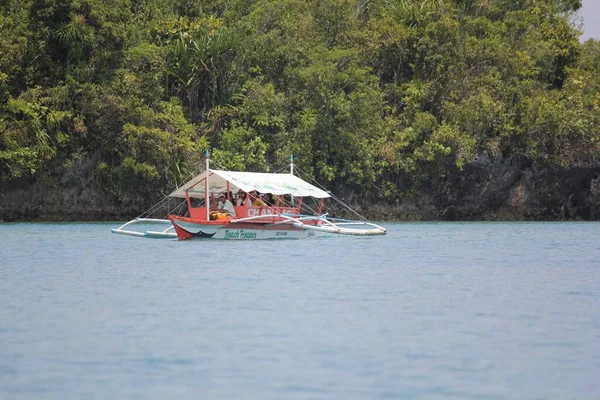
(509, 189)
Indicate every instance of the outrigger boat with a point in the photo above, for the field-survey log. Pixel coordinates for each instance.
(284, 218)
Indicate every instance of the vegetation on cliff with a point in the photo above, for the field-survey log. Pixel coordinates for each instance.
(370, 95)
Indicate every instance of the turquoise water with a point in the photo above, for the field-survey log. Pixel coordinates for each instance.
(432, 310)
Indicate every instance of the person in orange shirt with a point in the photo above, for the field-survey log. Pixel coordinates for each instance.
(256, 200)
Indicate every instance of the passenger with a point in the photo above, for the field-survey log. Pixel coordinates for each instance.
(224, 205)
(256, 200)
(241, 198)
(268, 198)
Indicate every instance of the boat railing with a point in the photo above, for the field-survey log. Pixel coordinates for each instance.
(322, 224)
(262, 218)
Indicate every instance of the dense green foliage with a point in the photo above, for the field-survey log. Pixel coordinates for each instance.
(365, 93)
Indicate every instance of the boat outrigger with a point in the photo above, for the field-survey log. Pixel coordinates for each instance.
(282, 217)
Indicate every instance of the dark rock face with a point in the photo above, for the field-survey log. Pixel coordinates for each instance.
(509, 189)
(42, 201)
(73, 196)
(520, 190)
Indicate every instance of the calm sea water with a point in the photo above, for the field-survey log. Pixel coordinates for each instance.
(432, 310)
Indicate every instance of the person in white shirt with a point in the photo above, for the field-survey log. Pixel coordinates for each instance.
(225, 205)
(241, 198)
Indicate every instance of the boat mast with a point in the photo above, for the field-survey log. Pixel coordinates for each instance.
(292, 172)
(206, 186)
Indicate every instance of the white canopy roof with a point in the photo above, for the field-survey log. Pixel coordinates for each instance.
(277, 184)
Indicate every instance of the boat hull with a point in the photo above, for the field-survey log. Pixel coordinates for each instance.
(188, 228)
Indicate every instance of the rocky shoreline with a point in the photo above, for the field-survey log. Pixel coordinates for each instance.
(513, 189)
